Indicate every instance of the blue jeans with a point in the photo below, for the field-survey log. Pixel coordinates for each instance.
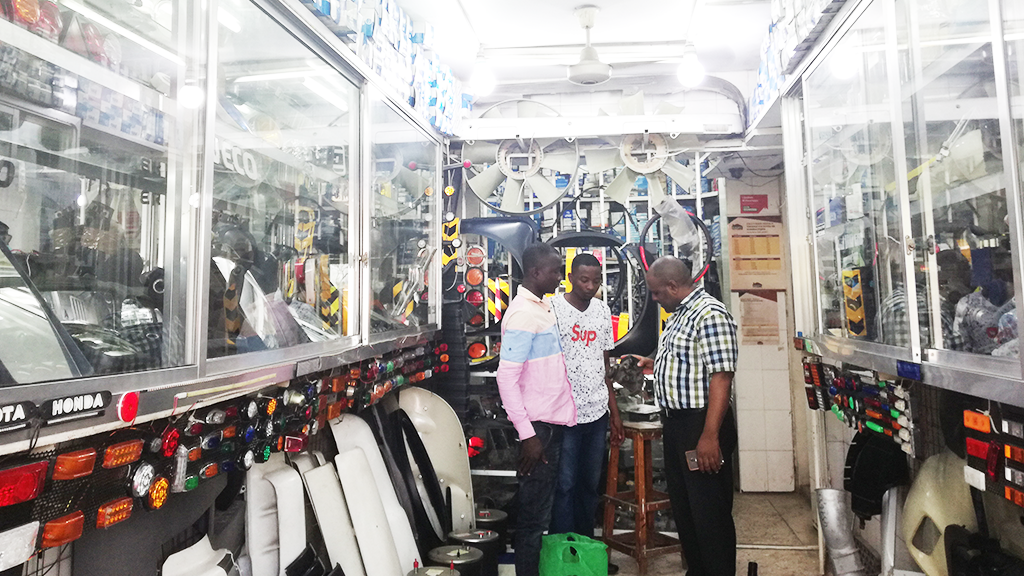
(536, 492)
(583, 450)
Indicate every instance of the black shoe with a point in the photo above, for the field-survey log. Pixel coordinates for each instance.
(613, 569)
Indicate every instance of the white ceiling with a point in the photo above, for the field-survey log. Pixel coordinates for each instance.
(642, 40)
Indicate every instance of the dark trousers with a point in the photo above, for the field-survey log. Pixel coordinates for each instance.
(536, 494)
(701, 503)
(583, 450)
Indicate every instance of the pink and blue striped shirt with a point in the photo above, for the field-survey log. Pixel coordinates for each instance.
(532, 379)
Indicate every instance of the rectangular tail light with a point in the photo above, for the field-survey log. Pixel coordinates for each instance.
(63, 530)
(122, 453)
(22, 484)
(113, 512)
(74, 464)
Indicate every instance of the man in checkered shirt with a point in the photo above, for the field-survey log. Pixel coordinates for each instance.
(693, 372)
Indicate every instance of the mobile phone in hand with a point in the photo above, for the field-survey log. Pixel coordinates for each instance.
(691, 460)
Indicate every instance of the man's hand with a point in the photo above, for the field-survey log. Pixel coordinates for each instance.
(644, 362)
(709, 454)
(531, 451)
(618, 433)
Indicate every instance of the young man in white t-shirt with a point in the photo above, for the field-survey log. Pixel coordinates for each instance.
(585, 329)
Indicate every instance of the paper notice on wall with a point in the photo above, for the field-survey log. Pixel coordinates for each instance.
(759, 319)
(755, 254)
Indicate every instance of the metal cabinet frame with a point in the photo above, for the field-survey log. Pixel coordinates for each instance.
(1000, 379)
(166, 392)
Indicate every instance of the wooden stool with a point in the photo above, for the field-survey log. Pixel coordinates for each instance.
(643, 500)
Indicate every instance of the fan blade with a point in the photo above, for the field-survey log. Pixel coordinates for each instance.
(485, 183)
(513, 199)
(543, 189)
(668, 108)
(545, 142)
(531, 109)
(563, 161)
(632, 105)
(621, 186)
(656, 188)
(481, 153)
(681, 175)
(601, 159)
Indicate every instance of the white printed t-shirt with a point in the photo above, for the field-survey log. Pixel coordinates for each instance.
(585, 336)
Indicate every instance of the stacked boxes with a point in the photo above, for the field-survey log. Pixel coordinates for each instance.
(796, 27)
(400, 52)
(100, 106)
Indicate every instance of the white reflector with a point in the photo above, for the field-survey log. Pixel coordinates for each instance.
(17, 545)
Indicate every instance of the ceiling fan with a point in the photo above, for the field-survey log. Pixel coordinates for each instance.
(589, 71)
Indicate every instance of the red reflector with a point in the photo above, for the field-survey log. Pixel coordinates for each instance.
(231, 412)
(122, 453)
(294, 443)
(977, 421)
(113, 512)
(992, 463)
(977, 448)
(22, 484)
(128, 406)
(74, 464)
(63, 530)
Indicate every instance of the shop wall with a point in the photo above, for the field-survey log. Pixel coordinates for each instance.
(772, 451)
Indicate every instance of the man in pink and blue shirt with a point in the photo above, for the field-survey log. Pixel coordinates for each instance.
(537, 397)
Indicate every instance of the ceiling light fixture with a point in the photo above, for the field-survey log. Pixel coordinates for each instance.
(589, 71)
(482, 82)
(691, 71)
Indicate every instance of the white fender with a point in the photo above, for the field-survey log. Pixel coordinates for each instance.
(306, 461)
(291, 514)
(441, 431)
(275, 527)
(376, 543)
(937, 498)
(199, 559)
(352, 432)
(324, 489)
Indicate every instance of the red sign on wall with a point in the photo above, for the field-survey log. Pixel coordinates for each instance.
(753, 203)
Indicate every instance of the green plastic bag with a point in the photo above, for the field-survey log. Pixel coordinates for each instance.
(572, 555)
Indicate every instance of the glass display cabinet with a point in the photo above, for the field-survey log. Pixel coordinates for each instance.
(404, 223)
(197, 201)
(282, 270)
(98, 105)
(913, 126)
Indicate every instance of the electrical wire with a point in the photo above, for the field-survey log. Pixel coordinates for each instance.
(755, 173)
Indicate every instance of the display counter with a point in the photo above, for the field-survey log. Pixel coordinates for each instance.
(197, 201)
(912, 186)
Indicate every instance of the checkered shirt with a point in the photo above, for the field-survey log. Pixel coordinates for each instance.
(699, 339)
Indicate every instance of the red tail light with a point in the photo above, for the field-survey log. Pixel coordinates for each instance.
(22, 484)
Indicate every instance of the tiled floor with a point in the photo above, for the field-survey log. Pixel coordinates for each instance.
(761, 519)
(772, 519)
